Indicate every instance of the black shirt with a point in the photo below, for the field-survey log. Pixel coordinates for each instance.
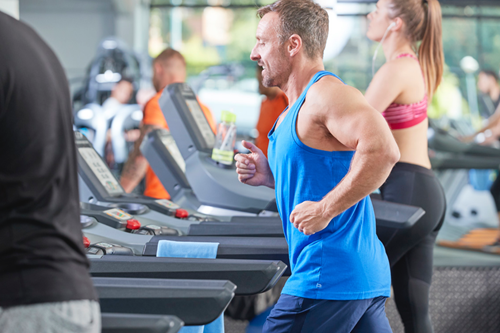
(42, 258)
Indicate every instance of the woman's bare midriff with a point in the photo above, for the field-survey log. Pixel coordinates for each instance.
(412, 143)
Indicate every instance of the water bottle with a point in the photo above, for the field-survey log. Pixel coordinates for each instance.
(223, 151)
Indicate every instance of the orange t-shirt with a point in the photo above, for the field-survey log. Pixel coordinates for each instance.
(154, 116)
(270, 110)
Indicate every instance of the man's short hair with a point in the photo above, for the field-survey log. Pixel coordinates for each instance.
(490, 73)
(169, 54)
(304, 18)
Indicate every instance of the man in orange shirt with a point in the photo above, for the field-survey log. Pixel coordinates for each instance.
(168, 67)
(272, 106)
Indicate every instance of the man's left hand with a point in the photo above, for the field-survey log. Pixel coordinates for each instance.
(309, 217)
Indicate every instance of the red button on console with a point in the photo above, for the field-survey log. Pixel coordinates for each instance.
(181, 213)
(133, 224)
(86, 242)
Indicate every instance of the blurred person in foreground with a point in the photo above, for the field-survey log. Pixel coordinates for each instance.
(45, 284)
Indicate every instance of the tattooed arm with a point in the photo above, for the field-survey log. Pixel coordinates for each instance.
(136, 165)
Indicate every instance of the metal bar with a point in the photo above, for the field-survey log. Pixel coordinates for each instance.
(476, 16)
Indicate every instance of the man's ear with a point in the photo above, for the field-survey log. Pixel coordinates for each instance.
(294, 45)
(158, 68)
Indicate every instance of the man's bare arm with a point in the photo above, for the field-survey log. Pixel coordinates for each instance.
(136, 165)
(358, 126)
(363, 129)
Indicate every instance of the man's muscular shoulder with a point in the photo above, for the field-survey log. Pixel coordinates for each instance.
(329, 95)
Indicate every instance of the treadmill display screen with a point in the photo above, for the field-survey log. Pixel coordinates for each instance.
(169, 143)
(201, 121)
(101, 171)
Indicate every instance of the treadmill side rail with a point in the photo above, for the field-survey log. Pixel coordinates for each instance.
(394, 215)
(195, 302)
(251, 276)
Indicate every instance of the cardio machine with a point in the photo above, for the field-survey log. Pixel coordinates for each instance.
(451, 159)
(98, 185)
(164, 157)
(216, 185)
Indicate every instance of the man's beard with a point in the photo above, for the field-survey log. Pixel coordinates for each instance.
(267, 81)
(280, 74)
(274, 79)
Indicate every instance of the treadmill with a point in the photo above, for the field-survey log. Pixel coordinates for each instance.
(164, 157)
(452, 158)
(195, 302)
(216, 185)
(102, 226)
(134, 323)
(114, 260)
(98, 185)
(250, 276)
(104, 230)
(442, 140)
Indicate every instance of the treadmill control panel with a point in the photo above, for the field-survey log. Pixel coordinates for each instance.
(101, 171)
(167, 203)
(169, 143)
(118, 214)
(200, 120)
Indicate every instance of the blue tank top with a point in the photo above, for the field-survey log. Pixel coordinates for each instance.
(346, 260)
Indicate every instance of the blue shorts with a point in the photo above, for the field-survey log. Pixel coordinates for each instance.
(296, 314)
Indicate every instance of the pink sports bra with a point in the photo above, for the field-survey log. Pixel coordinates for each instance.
(400, 116)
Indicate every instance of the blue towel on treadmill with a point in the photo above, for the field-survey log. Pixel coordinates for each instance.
(173, 249)
(192, 250)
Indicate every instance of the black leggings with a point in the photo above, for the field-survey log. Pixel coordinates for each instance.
(410, 251)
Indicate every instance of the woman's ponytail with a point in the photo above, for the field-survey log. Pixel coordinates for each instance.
(430, 52)
(423, 23)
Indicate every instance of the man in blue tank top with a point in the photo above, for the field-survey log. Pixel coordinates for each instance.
(327, 152)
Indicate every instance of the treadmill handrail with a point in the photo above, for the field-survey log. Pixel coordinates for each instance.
(396, 215)
(195, 302)
(251, 276)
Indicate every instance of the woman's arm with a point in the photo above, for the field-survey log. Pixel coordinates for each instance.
(385, 87)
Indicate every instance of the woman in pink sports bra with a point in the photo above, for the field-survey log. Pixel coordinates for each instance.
(401, 90)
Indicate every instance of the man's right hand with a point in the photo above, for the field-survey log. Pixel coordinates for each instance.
(253, 168)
